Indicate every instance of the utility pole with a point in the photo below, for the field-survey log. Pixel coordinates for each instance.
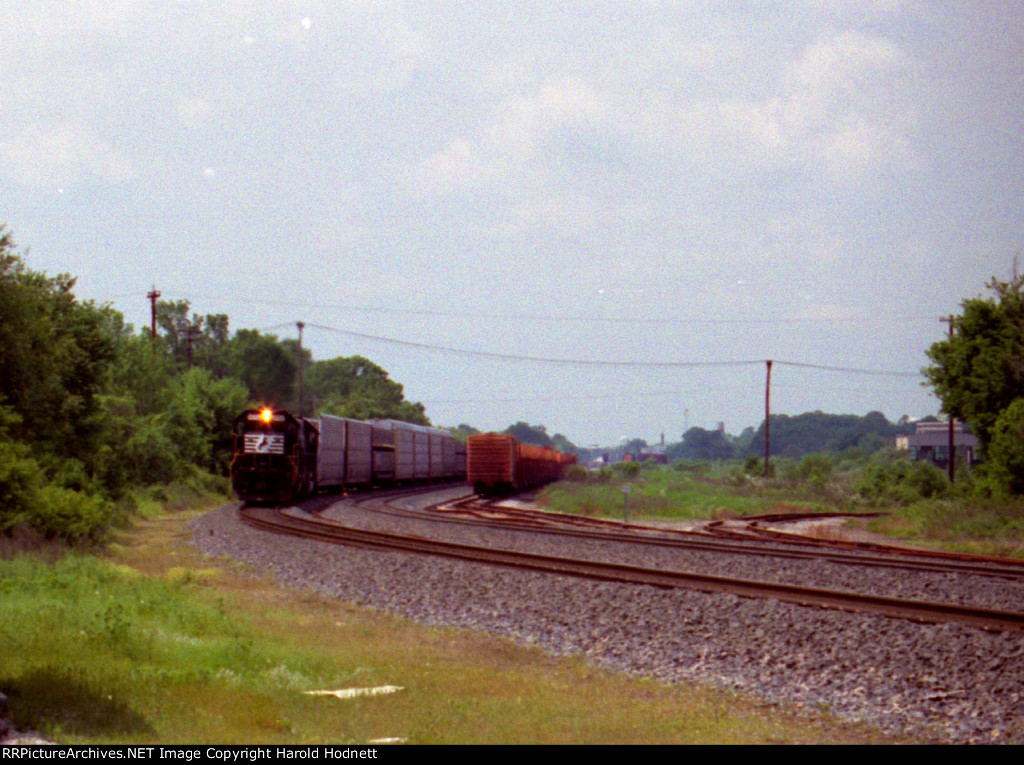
(301, 326)
(190, 333)
(767, 414)
(952, 448)
(153, 295)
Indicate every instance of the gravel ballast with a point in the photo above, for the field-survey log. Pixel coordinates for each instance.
(946, 682)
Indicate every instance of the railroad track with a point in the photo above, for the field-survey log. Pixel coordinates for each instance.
(289, 522)
(750, 540)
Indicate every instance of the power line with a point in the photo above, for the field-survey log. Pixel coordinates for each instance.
(850, 370)
(602, 362)
(534, 359)
(631, 394)
(570, 318)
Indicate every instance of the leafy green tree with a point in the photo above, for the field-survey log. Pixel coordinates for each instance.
(978, 372)
(53, 355)
(818, 432)
(1006, 450)
(355, 387)
(634, 446)
(141, 373)
(263, 364)
(463, 431)
(20, 475)
(196, 341)
(199, 416)
(530, 434)
(701, 444)
(563, 444)
(890, 477)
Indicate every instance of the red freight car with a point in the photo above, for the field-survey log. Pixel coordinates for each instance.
(497, 463)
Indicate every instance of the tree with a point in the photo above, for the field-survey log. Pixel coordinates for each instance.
(54, 352)
(199, 341)
(355, 387)
(199, 416)
(818, 432)
(563, 444)
(463, 431)
(1006, 451)
(634, 446)
(263, 364)
(530, 434)
(700, 444)
(978, 372)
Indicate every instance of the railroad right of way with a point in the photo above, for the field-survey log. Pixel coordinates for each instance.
(949, 682)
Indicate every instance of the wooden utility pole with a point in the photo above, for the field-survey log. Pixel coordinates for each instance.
(153, 295)
(952, 443)
(191, 331)
(301, 326)
(767, 414)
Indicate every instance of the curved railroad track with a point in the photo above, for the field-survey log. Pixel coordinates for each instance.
(746, 535)
(301, 523)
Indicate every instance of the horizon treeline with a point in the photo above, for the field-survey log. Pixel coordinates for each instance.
(92, 409)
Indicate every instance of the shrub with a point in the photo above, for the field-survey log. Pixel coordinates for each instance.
(576, 473)
(696, 467)
(815, 468)
(900, 480)
(20, 481)
(627, 469)
(70, 515)
(753, 466)
(1006, 451)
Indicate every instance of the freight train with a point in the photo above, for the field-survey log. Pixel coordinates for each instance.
(279, 457)
(497, 463)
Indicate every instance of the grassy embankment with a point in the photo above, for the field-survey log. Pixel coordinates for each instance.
(918, 505)
(150, 642)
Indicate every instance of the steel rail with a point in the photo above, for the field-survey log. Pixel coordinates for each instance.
(276, 520)
(756, 531)
(877, 556)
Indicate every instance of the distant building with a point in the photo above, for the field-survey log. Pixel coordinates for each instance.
(653, 454)
(930, 442)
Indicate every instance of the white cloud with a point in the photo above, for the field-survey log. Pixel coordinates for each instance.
(564, 215)
(458, 166)
(842, 106)
(192, 112)
(62, 154)
(847, 103)
(512, 137)
(383, 50)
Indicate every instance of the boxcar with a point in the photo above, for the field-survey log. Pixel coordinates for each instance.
(496, 463)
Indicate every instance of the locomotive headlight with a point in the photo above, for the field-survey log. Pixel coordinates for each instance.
(266, 415)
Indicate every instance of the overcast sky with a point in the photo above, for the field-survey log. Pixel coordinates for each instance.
(665, 182)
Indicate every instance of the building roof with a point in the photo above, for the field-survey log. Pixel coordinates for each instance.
(934, 434)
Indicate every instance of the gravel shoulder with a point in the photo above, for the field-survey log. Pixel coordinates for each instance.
(947, 683)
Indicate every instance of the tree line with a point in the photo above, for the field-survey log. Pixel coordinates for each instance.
(91, 409)
(978, 374)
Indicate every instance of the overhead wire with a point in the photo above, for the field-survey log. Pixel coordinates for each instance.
(678, 321)
(602, 362)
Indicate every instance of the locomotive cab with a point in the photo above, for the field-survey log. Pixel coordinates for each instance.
(274, 456)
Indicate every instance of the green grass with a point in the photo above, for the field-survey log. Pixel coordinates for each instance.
(954, 520)
(89, 645)
(665, 494)
(971, 525)
(153, 643)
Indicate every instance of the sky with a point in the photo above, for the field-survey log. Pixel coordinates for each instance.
(468, 193)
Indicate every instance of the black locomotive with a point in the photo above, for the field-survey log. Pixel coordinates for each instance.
(279, 457)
